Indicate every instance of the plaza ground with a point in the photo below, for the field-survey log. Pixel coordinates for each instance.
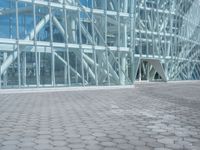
(160, 116)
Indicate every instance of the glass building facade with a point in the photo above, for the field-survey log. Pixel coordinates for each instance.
(98, 42)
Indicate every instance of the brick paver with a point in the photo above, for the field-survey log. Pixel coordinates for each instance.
(150, 116)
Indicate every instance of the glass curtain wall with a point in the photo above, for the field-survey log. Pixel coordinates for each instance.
(49, 43)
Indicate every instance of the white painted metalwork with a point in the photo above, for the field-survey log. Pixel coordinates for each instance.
(98, 42)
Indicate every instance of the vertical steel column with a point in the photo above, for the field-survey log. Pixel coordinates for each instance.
(66, 44)
(152, 30)
(124, 61)
(140, 42)
(165, 46)
(24, 68)
(146, 25)
(118, 43)
(105, 44)
(76, 68)
(5, 78)
(35, 45)
(132, 42)
(24, 53)
(51, 44)
(125, 35)
(188, 72)
(80, 44)
(39, 71)
(148, 71)
(171, 32)
(10, 20)
(176, 39)
(123, 69)
(93, 45)
(140, 70)
(17, 43)
(158, 32)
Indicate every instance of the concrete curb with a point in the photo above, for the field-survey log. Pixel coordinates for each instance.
(62, 89)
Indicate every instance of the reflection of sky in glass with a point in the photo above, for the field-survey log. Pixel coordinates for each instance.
(4, 20)
(87, 3)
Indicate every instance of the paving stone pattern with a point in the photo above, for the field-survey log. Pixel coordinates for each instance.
(150, 116)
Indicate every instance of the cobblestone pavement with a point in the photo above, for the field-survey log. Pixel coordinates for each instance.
(150, 116)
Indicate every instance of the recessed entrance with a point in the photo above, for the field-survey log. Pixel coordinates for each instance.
(150, 70)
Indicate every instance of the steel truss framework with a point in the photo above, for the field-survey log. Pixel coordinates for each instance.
(98, 42)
